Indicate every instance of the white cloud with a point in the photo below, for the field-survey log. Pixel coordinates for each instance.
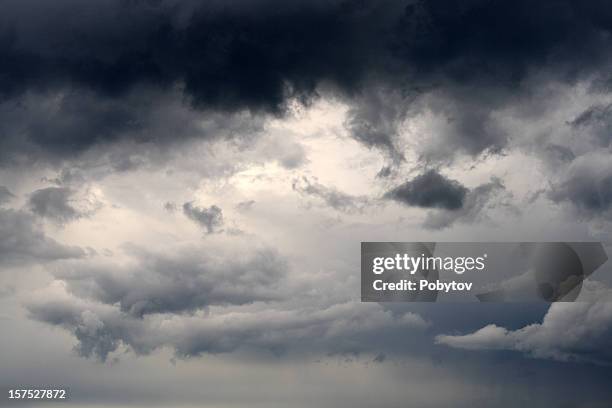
(579, 331)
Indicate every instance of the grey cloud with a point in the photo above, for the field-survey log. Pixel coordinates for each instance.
(102, 329)
(579, 331)
(474, 206)
(587, 185)
(558, 154)
(109, 50)
(22, 241)
(185, 280)
(342, 327)
(99, 330)
(82, 126)
(5, 195)
(330, 196)
(374, 119)
(596, 121)
(461, 121)
(209, 218)
(54, 203)
(430, 190)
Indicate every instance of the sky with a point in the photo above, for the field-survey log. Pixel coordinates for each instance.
(184, 187)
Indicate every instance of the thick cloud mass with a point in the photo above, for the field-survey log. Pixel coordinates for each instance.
(256, 55)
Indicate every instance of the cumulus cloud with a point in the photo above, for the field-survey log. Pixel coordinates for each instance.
(330, 196)
(209, 218)
(23, 241)
(579, 331)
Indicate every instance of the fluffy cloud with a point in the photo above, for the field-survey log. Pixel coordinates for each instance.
(577, 331)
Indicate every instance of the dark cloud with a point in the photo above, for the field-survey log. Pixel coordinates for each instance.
(184, 281)
(5, 195)
(330, 196)
(22, 241)
(448, 200)
(430, 190)
(69, 124)
(54, 203)
(474, 207)
(209, 218)
(254, 56)
(374, 120)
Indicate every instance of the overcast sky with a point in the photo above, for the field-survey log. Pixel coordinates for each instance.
(184, 188)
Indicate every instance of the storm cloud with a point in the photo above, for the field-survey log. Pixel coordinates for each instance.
(256, 56)
(243, 149)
